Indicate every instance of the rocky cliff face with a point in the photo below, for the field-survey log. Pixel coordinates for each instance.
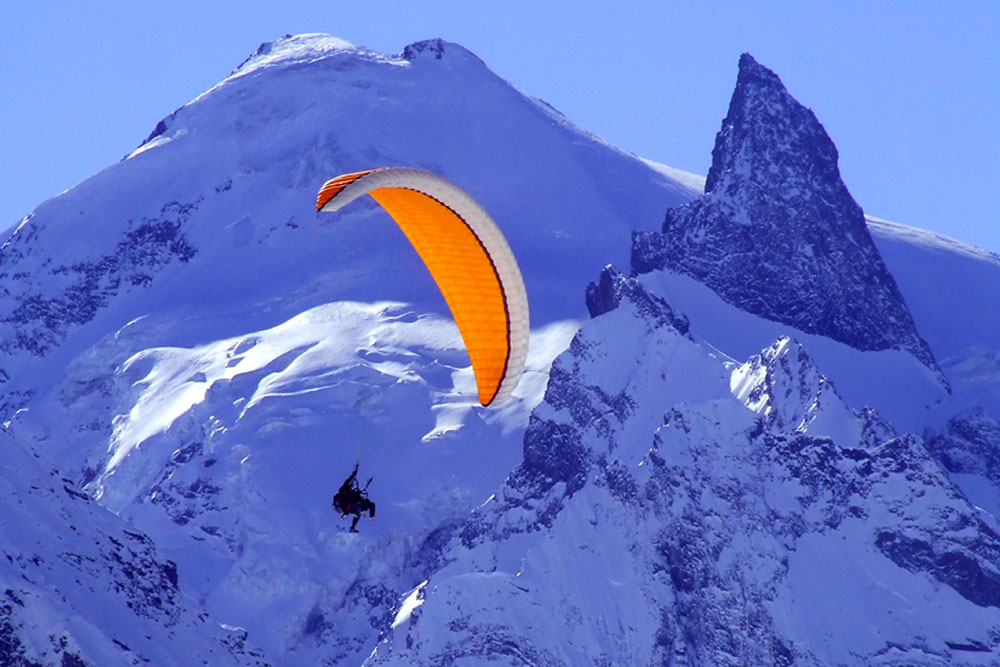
(42, 303)
(750, 518)
(777, 233)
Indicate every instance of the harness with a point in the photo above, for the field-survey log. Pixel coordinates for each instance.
(345, 504)
(353, 495)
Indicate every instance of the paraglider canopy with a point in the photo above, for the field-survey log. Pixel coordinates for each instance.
(468, 257)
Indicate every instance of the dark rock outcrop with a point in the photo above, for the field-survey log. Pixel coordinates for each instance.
(777, 233)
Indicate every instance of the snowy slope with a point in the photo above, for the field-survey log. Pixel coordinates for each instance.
(230, 451)
(80, 584)
(892, 381)
(227, 182)
(749, 517)
(952, 290)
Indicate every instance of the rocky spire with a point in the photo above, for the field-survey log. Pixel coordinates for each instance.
(777, 232)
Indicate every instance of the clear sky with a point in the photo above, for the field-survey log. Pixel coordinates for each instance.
(909, 90)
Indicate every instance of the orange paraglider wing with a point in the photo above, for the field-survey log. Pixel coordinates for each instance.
(468, 257)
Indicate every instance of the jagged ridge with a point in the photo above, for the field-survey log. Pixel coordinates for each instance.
(697, 532)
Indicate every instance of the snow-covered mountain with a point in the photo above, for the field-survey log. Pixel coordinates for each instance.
(699, 467)
(206, 356)
(744, 515)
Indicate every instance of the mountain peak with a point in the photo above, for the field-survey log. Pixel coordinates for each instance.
(294, 49)
(765, 126)
(436, 49)
(753, 75)
(749, 67)
(428, 48)
(785, 387)
(777, 232)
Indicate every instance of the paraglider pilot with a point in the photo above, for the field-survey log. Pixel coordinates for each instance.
(351, 499)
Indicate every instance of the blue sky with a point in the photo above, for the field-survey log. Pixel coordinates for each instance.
(908, 90)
